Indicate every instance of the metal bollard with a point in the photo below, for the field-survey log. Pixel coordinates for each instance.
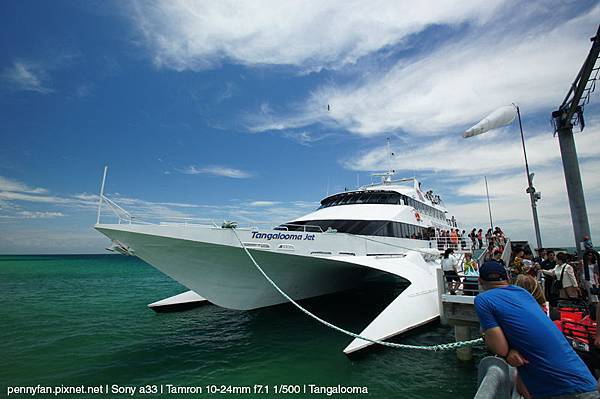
(496, 379)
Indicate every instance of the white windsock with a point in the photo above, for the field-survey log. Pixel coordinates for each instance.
(501, 117)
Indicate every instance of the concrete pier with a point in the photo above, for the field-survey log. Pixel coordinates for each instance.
(458, 311)
(463, 333)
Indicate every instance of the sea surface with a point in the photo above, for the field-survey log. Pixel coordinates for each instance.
(83, 320)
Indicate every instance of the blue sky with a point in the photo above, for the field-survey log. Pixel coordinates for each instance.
(219, 110)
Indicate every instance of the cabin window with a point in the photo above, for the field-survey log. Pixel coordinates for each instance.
(397, 229)
(363, 198)
(380, 197)
(389, 230)
(372, 227)
(382, 228)
(393, 198)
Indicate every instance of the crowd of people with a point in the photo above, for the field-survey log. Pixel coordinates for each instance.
(493, 239)
(515, 305)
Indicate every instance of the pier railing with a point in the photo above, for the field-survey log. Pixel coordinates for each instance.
(496, 379)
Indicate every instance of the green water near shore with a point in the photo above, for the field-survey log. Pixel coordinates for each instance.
(83, 320)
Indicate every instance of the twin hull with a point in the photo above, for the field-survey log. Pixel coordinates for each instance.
(211, 262)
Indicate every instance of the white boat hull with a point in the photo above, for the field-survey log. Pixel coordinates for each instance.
(225, 276)
(212, 263)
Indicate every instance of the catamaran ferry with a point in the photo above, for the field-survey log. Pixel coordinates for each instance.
(384, 227)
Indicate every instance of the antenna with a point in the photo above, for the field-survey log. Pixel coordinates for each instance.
(389, 155)
(487, 193)
(386, 177)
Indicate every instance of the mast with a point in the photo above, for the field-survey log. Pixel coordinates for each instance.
(101, 194)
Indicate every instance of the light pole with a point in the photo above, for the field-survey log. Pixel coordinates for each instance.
(487, 192)
(533, 195)
(504, 116)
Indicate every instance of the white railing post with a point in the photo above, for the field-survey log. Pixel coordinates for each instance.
(507, 252)
(101, 194)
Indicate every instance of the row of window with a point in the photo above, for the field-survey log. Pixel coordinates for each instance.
(381, 197)
(383, 228)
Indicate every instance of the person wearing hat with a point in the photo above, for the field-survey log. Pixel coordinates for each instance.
(516, 328)
(587, 243)
(497, 256)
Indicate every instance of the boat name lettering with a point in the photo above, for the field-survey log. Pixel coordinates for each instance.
(282, 236)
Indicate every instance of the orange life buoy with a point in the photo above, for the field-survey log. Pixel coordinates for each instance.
(418, 216)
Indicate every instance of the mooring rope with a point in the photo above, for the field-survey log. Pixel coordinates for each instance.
(433, 348)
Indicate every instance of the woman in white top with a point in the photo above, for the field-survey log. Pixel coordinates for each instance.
(591, 280)
(564, 273)
(449, 267)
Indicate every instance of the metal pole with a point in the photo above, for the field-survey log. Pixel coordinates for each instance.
(568, 153)
(571, 105)
(530, 189)
(389, 157)
(101, 194)
(488, 200)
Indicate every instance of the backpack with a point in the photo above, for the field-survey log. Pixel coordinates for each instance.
(557, 284)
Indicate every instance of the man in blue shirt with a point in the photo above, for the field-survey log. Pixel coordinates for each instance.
(516, 328)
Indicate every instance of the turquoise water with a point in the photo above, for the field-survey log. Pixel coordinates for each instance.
(83, 320)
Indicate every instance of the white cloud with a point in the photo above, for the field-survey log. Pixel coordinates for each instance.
(23, 196)
(14, 193)
(263, 203)
(87, 197)
(310, 34)
(28, 76)
(227, 92)
(39, 214)
(216, 170)
(511, 208)
(526, 57)
(303, 137)
(456, 167)
(7, 184)
(486, 154)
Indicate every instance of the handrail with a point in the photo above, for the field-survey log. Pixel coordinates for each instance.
(116, 208)
(126, 217)
(285, 225)
(461, 244)
(496, 379)
(481, 258)
(465, 286)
